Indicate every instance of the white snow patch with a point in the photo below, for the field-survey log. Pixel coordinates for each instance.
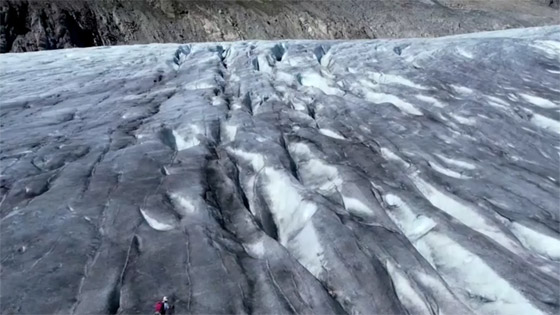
(326, 60)
(255, 159)
(497, 102)
(285, 77)
(431, 100)
(184, 203)
(455, 162)
(218, 101)
(165, 170)
(538, 101)
(512, 97)
(330, 133)
(300, 149)
(356, 205)
(482, 116)
(462, 89)
(470, 276)
(154, 223)
(379, 98)
(540, 243)
(314, 172)
(255, 249)
(465, 53)
(234, 77)
(365, 128)
(236, 105)
(546, 123)
(413, 225)
(182, 143)
(550, 47)
(464, 120)
(389, 155)
(132, 97)
(230, 131)
(299, 104)
(464, 214)
(317, 81)
(323, 176)
(200, 85)
(410, 299)
(289, 208)
(445, 171)
(306, 247)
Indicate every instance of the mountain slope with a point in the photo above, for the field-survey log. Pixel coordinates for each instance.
(375, 177)
(37, 25)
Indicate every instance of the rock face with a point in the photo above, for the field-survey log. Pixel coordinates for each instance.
(39, 25)
(373, 177)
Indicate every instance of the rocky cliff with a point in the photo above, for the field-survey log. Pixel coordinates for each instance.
(39, 25)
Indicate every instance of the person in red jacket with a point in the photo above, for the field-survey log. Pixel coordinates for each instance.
(162, 307)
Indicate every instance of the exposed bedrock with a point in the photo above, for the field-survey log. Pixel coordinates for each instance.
(30, 25)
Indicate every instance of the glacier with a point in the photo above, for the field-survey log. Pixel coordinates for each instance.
(409, 176)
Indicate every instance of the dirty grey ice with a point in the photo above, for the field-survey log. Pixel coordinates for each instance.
(363, 177)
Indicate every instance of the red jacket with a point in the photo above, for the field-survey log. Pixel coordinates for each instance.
(159, 307)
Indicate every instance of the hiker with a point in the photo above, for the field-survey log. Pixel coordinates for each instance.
(162, 307)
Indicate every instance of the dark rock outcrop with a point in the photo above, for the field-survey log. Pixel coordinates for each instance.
(39, 25)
